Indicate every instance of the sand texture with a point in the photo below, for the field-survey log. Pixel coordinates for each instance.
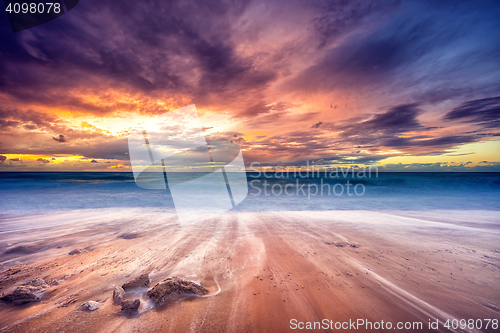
(261, 269)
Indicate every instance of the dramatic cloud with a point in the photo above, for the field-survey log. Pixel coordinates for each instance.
(485, 112)
(5, 124)
(424, 53)
(29, 118)
(317, 125)
(288, 81)
(59, 138)
(398, 119)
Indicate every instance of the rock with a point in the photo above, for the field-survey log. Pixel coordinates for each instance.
(129, 306)
(22, 295)
(76, 251)
(56, 282)
(91, 305)
(28, 289)
(118, 295)
(175, 286)
(139, 282)
(38, 282)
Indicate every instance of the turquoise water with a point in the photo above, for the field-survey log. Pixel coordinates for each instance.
(31, 193)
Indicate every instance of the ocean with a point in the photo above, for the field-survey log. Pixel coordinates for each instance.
(26, 193)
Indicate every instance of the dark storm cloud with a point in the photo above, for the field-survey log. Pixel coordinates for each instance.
(317, 125)
(485, 112)
(427, 53)
(6, 124)
(167, 46)
(368, 59)
(179, 48)
(176, 48)
(59, 138)
(32, 119)
(398, 119)
(385, 129)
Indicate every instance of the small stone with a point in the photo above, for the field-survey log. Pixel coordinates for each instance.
(129, 306)
(76, 251)
(139, 282)
(118, 295)
(91, 305)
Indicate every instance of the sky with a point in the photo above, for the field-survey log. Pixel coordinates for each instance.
(404, 85)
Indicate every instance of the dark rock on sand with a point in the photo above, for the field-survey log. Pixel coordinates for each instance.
(22, 295)
(76, 251)
(118, 295)
(38, 282)
(91, 305)
(139, 282)
(129, 306)
(175, 286)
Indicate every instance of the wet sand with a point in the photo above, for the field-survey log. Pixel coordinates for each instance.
(262, 269)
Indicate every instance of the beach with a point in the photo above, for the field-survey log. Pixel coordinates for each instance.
(262, 269)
